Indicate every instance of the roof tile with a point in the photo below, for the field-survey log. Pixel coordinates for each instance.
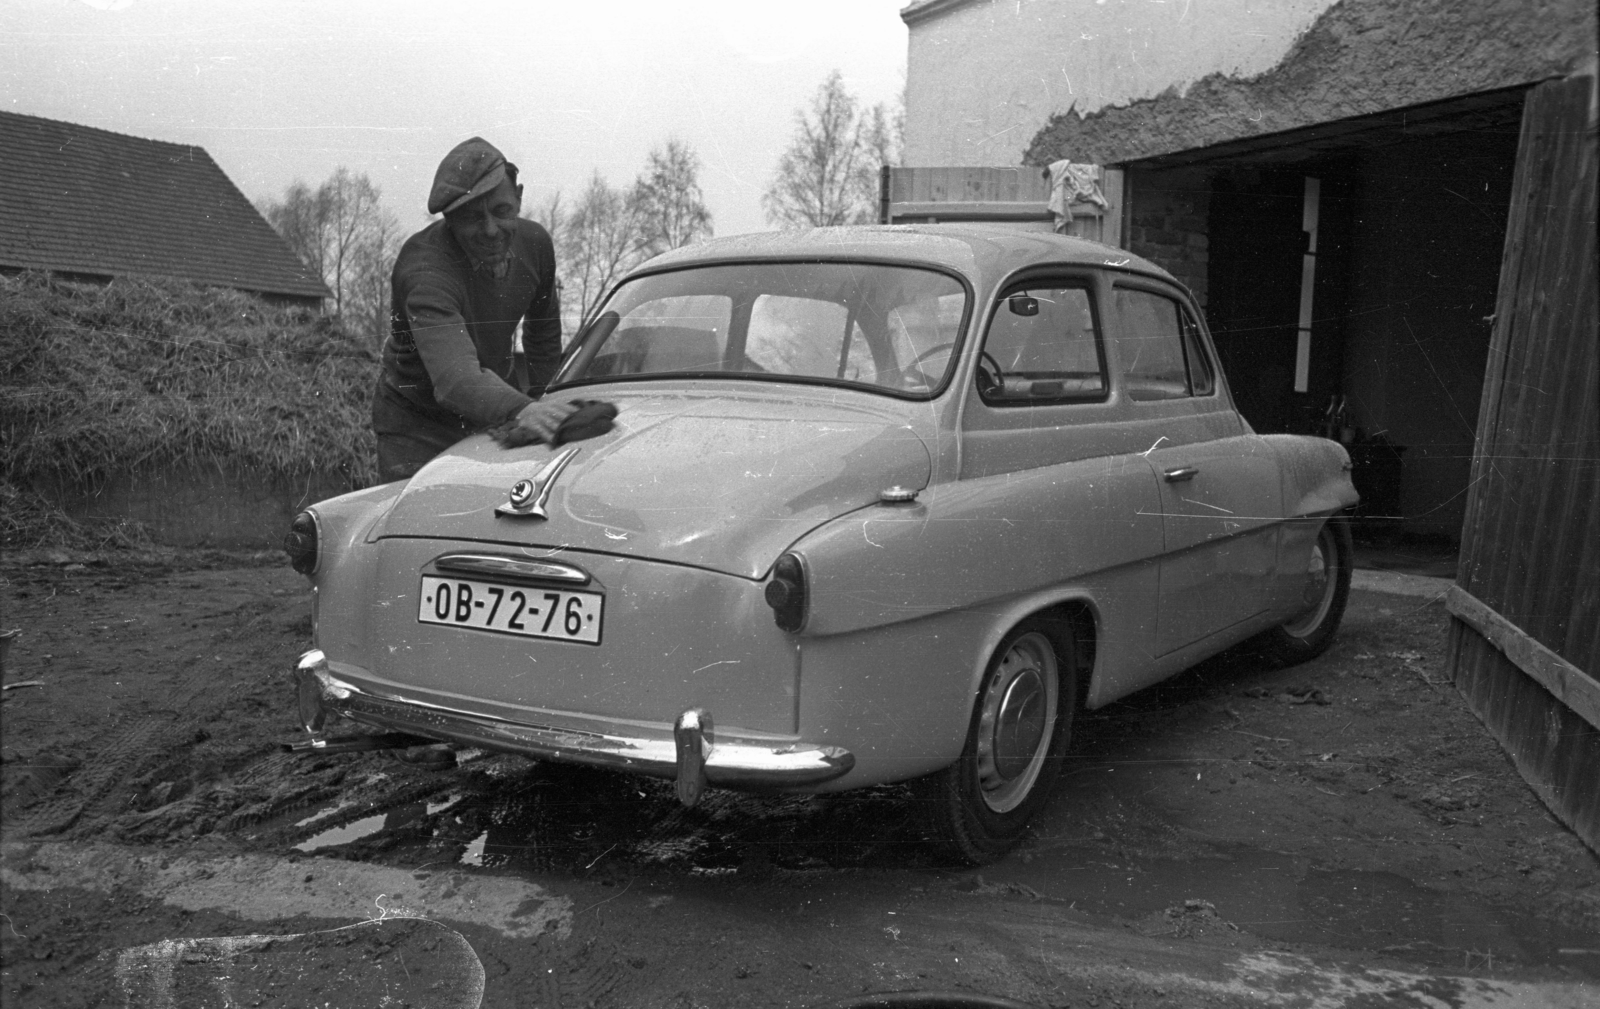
(82, 200)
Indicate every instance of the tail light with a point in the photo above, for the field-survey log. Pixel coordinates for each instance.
(786, 593)
(301, 544)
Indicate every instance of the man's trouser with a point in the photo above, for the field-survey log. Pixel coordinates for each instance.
(410, 435)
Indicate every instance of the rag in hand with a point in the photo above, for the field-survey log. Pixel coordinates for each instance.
(593, 417)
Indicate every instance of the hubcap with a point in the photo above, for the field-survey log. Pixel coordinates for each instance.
(1017, 721)
(1019, 724)
(1319, 587)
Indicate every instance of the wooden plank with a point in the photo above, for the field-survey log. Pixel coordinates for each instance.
(1556, 752)
(1565, 681)
(1477, 560)
(1112, 186)
(947, 184)
(972, 210)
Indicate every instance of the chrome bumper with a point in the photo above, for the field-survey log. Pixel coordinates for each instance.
(690, 755)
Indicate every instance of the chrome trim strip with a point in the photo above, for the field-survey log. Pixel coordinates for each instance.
(512, 567)
(728, 764)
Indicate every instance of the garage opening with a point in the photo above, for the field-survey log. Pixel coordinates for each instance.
(1349, 272)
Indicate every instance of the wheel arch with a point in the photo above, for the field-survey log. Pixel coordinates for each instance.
(1072, 611)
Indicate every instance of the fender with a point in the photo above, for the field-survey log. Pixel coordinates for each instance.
(1316, 475)
(1052, 525)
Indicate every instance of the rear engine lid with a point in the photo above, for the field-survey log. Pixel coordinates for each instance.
(724, 483)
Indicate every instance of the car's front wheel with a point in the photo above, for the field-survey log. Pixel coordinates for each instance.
(1021, 726)
(1327, 589)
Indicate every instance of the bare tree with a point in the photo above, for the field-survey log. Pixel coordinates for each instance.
(299, 219)
(371, 269)
(352, 207)
(599, 244)
(609, 230)
(553, 216)
(829, 173)
(344, 233)
(667, 201)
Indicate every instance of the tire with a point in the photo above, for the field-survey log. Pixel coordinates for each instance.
(1021, 726)
(1328, 589)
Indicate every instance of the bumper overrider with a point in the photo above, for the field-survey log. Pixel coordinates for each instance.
(690, 755)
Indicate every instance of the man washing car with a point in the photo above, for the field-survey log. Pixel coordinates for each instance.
(460, 286)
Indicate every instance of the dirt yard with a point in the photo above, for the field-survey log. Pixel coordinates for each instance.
(1351, 807)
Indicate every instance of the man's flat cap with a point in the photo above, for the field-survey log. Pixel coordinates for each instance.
(472, 168)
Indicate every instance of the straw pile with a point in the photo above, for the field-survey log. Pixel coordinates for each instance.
(137, 375)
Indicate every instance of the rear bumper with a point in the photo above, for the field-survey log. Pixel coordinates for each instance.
(685, 751)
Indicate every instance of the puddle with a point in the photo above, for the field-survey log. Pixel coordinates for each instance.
(474, 853)
(353, 831)
(435, 808)
(323, 814)
(544, 818)
(367, 826)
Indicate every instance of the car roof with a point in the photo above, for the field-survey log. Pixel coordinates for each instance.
(982, 252)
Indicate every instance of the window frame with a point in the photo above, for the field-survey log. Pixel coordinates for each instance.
(1186, 314)
(1063, 278)
(968, 309)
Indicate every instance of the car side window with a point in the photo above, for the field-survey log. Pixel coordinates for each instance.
(1201, 379)
(1043, 346)
(1160, 347)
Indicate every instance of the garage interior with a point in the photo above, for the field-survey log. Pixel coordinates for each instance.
(1350, 284)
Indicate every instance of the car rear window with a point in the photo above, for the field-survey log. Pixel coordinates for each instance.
(1159, 344)
(885, 327)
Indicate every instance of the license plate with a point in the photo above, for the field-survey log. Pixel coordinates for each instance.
(511, 609)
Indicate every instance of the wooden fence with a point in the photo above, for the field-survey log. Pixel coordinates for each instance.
(1016, 196)
(1524, 645)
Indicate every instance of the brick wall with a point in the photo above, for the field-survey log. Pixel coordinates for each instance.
(1167, 223)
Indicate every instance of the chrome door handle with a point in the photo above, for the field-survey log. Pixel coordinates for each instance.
(1181, 474)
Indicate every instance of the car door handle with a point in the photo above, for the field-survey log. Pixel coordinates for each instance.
(1181, 474)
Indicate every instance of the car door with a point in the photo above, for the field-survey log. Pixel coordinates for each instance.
(1221, 500)
(1042, 437)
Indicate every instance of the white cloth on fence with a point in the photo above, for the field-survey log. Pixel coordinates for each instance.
(1070, 183)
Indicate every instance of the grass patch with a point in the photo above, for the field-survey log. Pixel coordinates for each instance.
(137, 375)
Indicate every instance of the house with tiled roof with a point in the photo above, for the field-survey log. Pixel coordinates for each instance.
(89, 204)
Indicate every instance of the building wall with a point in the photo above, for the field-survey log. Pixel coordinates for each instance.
(984, 76)
(1167, 223)
(1358, 57)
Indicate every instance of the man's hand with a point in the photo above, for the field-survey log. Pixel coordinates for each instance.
(538, 422)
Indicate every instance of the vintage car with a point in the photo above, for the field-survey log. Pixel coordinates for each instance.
(879, 504)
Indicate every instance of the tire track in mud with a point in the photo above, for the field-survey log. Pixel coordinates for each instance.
(195, 703)
(593, 974)
(92, 780)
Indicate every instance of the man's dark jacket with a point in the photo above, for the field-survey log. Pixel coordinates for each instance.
(450, 349)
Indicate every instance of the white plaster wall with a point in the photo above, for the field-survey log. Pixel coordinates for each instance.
(983, 78)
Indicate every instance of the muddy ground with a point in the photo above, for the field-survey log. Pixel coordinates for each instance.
(1351, 809)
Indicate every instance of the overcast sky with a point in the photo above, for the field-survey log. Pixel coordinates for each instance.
(284, 89)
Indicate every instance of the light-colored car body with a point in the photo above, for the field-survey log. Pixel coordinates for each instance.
(929, 520)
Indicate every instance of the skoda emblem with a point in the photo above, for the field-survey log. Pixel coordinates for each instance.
(528, 496)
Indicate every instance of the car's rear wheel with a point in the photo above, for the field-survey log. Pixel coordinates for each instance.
(1327, 589)
(1021, 726)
